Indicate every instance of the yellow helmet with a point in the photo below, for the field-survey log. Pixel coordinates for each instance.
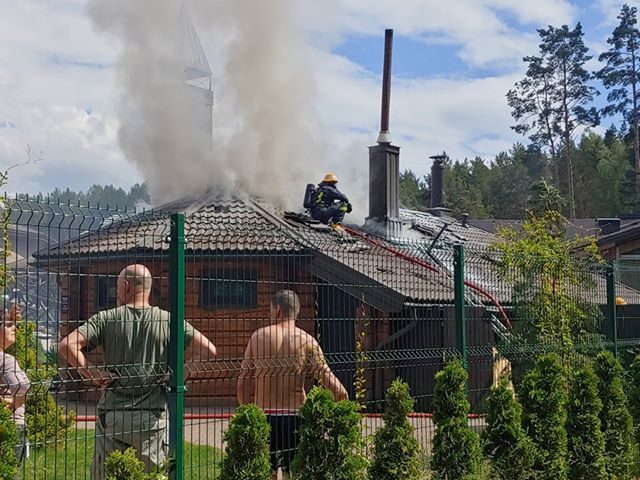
(620, 301)
(330, 178)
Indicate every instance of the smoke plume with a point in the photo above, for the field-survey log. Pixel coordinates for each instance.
(265, 140)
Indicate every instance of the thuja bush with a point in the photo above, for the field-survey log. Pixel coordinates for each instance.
(634, 396)
(456, 448)
(616, 421)
(543, 397)
(330, 443)
(396, 453)
(46, 421)
(585, 440)
(247, 450)
(504, 441)
(126, 466)
(8, 441)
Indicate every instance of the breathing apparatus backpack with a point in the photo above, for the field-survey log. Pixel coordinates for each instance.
(309, 196)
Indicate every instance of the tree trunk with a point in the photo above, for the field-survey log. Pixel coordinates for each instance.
(572, 193)
(552, 146)
(636, 141)
(567, 145)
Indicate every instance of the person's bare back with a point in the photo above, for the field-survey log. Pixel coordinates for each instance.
(279, 361)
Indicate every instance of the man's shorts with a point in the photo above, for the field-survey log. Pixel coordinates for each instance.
(144, 430)
(284, 439)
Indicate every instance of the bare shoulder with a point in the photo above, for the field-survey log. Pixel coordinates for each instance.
(262, 332)
(307, 339)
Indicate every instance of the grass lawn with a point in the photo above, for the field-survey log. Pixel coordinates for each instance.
(72, 460)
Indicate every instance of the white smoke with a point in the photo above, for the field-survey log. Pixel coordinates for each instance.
(266, 136)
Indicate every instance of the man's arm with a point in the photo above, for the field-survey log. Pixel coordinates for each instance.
(246, 387)
(201, 348)
(323, 373)
(70, 348)
(340, 196)
(200, 352)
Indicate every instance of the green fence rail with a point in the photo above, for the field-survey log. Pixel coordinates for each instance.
(377, 309)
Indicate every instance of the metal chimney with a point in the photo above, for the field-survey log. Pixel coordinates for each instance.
(384, 137)
(437, 181)
(384, 163)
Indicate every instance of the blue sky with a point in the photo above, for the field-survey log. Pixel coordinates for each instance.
(63, 81)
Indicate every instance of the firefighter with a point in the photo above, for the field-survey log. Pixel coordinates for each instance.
(329, 205)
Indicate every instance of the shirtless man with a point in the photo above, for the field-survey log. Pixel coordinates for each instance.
(279, 361)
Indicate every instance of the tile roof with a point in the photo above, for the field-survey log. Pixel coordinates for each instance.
(385, 275)
(227, 225)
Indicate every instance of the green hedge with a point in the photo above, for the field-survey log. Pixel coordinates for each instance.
(330, 444)
(456, 448)
(543, 397)
(396, 453)
(504, 440)
(585, 440)
(247, 451)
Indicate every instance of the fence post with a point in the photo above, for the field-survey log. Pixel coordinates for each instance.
(459, 303)
(176, 350)
(612, 317)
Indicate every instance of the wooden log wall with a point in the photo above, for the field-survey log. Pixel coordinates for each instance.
(228, 328)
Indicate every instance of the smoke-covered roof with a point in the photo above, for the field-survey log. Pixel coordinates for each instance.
(385, 274)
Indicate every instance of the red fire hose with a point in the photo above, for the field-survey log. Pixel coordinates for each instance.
(428, 266)
(228, 416)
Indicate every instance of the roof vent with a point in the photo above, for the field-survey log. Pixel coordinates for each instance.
(608, 225)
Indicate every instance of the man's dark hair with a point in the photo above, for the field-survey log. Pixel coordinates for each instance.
(288, 302)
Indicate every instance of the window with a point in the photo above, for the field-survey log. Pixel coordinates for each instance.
(228, 289)
(106, 288)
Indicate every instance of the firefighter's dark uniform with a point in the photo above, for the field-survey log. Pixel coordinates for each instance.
(329, 204)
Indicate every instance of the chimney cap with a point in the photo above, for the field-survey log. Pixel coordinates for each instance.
(384, 137)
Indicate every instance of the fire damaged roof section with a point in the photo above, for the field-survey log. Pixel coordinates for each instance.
(384, 274)
(220, 225)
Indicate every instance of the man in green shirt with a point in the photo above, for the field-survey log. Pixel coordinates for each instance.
(135, 341)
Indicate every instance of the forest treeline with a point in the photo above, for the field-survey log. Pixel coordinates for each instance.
(561, 159)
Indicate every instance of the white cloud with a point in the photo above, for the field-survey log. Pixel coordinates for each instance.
(58, 68)
(475, 26)
(611, 9)
(58, 93)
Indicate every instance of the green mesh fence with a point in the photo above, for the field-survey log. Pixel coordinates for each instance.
(370, 309)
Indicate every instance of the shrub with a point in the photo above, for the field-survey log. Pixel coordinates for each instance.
(46, 421)
(586, 443)
(616, 422)
(330, 441)
(247, 451)
(126, 466)
(543, 397)
(456, 448)
(505, 443)
(8, 440)
(396, 453)
(634, 396)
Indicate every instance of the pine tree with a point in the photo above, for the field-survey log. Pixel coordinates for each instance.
(617, 425)
(621, 76)
(586, 443)
(413, 191)
(550, 103)
(543, 397)
(504, 441)
(396, 454)
(456, 448)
